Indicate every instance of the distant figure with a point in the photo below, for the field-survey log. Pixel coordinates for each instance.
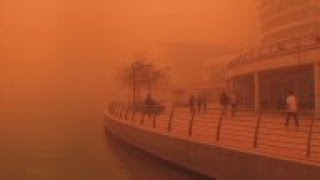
(234, 101)
(224, 102)
(199, 103)
(292, 106)
(205, 103)
(149, 103)
(192, 103)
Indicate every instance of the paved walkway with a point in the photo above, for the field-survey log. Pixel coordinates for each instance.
(239, 132)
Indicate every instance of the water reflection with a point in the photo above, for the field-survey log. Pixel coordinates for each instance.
(63, 142)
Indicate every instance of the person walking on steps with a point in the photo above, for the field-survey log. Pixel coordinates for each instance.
(292, 107)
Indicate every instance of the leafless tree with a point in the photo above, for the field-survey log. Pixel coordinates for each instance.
(143, 74)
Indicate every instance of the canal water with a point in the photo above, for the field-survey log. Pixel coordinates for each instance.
(49, 140)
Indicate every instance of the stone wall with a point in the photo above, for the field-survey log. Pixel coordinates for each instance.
(214, 161)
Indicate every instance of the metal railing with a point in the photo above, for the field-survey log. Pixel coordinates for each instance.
(262, 131)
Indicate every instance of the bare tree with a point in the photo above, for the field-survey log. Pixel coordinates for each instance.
(155, 76)
(143, 74)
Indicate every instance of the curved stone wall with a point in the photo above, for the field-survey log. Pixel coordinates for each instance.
(213, 161)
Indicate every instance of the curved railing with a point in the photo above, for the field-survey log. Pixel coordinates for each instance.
(279, 49)
(262, 132)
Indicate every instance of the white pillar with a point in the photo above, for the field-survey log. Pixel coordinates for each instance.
(256, 91)
(317, 89)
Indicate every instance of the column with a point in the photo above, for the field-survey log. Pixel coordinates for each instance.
(317, 89)
(256, 92)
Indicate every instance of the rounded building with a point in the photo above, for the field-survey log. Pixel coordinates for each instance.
(288, 58)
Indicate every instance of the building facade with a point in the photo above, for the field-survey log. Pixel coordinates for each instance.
(287, 59)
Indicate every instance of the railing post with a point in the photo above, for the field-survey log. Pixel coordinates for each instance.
(220, 124)
(310, 138)
(116, 110)
(126, 114)
(133, 114)
(121, 111)
(256, 135)
(191, 123)
(171, 119)
(154, 120)
(142, 118)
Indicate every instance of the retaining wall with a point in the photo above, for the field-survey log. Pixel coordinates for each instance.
(213, 161)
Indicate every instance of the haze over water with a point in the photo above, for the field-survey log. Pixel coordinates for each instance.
(58, 59)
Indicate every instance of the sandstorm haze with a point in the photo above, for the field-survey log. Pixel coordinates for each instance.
(59, 59)
(83, 42)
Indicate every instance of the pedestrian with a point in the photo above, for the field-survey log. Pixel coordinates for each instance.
(205, 102)
(234, 101)
(199, 103)
(292, 107)
(192, 103)
(224, 102)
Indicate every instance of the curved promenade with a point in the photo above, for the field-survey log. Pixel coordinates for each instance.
(248, 146)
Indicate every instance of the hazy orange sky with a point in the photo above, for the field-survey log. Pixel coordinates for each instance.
(78, 41)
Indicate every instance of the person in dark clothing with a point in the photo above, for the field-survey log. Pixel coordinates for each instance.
(224, 102)
(199, 103)
(205, 102)
(192, 103)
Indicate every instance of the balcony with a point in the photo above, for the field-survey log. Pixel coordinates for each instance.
(276, 50)
(282, 8)
(287, 19)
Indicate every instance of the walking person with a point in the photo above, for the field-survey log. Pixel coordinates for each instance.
(199, 103)
(224, 102)
(234, 101)
(292, 106)
(205, 102)
(192, 103)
